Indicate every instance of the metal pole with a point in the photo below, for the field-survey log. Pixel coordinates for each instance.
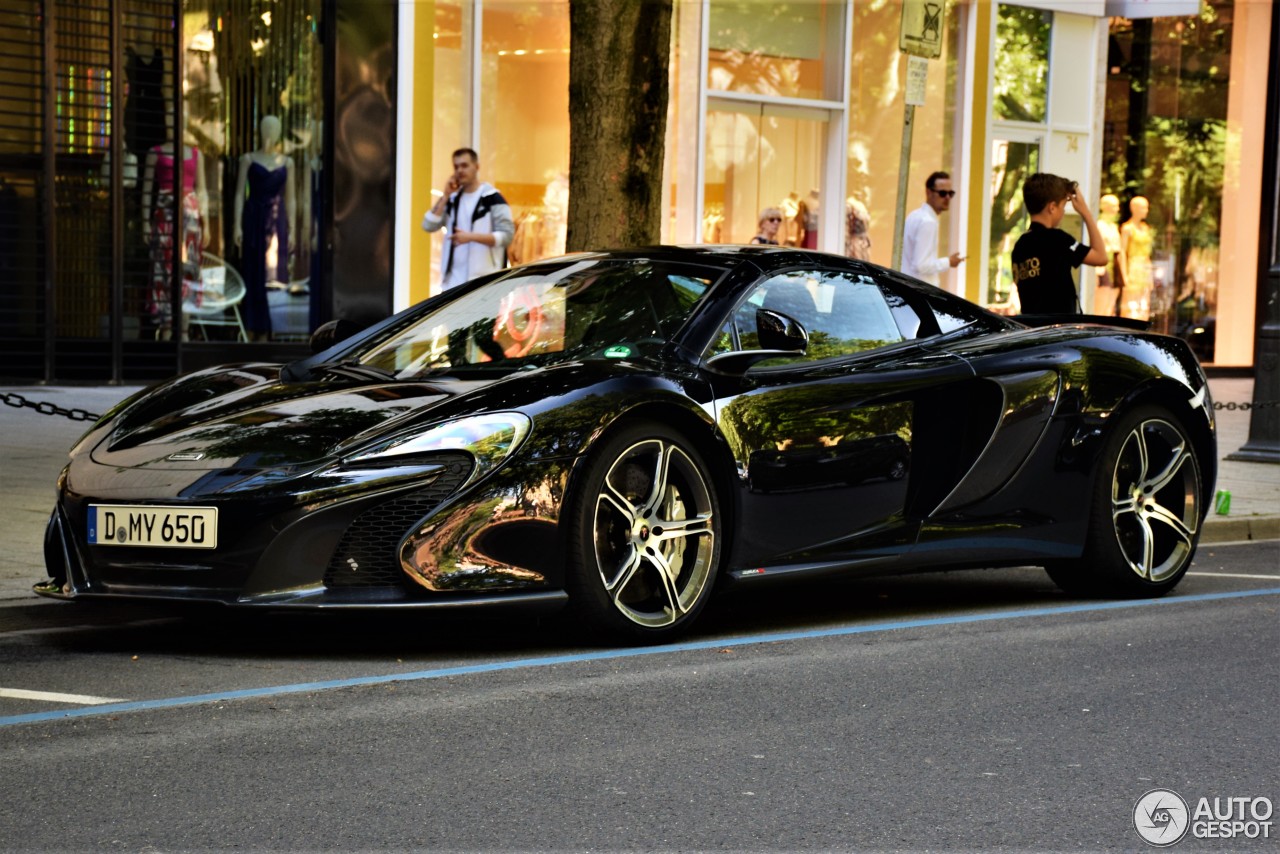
(179, 234)
(904, 173)
(50, 189)
(116, 148)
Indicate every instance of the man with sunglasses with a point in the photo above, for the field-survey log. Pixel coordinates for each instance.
(920, 233)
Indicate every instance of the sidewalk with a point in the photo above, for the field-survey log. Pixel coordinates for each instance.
(33, 449)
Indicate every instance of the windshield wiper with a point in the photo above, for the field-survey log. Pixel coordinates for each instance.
(351, 369)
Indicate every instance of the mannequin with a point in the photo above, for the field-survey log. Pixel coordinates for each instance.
(264, 216)
(1134, 260)
(792, 221)
(159, 180)
(808, 214)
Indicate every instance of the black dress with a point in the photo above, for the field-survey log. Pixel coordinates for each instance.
(144, 109)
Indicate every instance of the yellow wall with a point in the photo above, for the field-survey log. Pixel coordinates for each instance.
(423, 120)
(977, 197)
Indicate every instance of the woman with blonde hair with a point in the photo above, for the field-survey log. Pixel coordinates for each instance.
(767, 228)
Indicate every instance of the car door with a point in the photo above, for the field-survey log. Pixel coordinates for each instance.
(824, 442)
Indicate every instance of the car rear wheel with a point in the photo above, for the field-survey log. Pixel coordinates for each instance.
(644, 536)
(1146, 512)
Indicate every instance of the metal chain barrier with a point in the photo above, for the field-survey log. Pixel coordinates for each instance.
(1245, 407)
(45, 407)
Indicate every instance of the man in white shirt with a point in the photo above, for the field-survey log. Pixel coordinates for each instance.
(920, 233)
(477, 220)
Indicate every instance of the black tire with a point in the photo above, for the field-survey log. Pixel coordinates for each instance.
(643, 548)
(1145, 514)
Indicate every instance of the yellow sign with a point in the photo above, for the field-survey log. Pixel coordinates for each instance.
(922, 27)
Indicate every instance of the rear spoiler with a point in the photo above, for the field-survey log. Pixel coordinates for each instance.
(1100, 319)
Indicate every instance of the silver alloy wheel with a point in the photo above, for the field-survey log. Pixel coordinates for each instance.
(653, 531)
(1155, 499)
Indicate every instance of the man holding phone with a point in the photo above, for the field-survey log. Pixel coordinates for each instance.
(477, 222)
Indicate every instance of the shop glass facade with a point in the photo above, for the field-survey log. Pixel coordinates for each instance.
(124, 152)
(1168, 138)
(516, 115)
(788, 50)
(1020, 99)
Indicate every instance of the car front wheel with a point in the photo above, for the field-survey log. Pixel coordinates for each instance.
(644, 536)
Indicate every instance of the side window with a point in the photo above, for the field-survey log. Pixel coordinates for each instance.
(844, 313)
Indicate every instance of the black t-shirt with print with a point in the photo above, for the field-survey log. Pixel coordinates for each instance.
(1042, 261)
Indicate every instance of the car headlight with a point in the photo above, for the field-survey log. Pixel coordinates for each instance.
(489, 438)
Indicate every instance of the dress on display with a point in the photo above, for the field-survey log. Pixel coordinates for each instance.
(144, 112)
(1135, 299)
(265, 241)
(809, 222)
(159, 301)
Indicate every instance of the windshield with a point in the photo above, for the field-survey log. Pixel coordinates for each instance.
(546, 314)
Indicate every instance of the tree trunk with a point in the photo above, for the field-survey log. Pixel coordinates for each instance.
(619, 56)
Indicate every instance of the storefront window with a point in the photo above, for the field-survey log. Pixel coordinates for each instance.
(766, 48)
(524, 123)
(246, 222)
(1166, 140)
(763, 158)
(1012, 162)
(1022, 63)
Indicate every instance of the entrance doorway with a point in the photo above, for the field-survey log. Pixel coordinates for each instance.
(763, 156)
(1013, 159)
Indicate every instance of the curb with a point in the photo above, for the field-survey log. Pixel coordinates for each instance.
(1226, 529)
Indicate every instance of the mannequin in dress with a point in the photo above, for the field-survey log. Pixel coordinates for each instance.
(264, 216)
(808, 218)
(159, 183)
(1135, 261)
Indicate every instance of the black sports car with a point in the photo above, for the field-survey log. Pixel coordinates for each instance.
(622, 431)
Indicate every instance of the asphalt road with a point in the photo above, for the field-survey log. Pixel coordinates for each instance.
(948, 712)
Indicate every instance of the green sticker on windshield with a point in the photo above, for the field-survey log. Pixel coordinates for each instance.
(617, 351)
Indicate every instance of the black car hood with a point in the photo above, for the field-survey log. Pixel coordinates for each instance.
(248, 419)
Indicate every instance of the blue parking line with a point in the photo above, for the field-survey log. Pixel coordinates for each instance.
(610, 654)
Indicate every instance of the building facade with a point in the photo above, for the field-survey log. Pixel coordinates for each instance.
(833, 111)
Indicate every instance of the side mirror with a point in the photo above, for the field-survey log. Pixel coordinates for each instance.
(780, 336)
(780, 331)
(331, 332)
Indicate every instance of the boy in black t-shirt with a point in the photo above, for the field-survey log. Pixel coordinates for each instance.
(1044, 255)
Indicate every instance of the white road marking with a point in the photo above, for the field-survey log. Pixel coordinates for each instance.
(1236, 575)
(54, 697)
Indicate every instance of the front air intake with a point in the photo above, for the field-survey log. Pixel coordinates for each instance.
(368, 555)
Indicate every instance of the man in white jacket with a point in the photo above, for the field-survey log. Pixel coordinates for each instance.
(477, 223)
(920, 233)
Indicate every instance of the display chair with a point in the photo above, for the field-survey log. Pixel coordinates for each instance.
(215, 301)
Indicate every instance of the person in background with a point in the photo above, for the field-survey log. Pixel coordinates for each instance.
(920, 233)
(477, 221)
(1106, 298)
(1045, 255)
(767, 229)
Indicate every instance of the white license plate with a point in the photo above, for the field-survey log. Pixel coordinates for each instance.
(148, 525)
